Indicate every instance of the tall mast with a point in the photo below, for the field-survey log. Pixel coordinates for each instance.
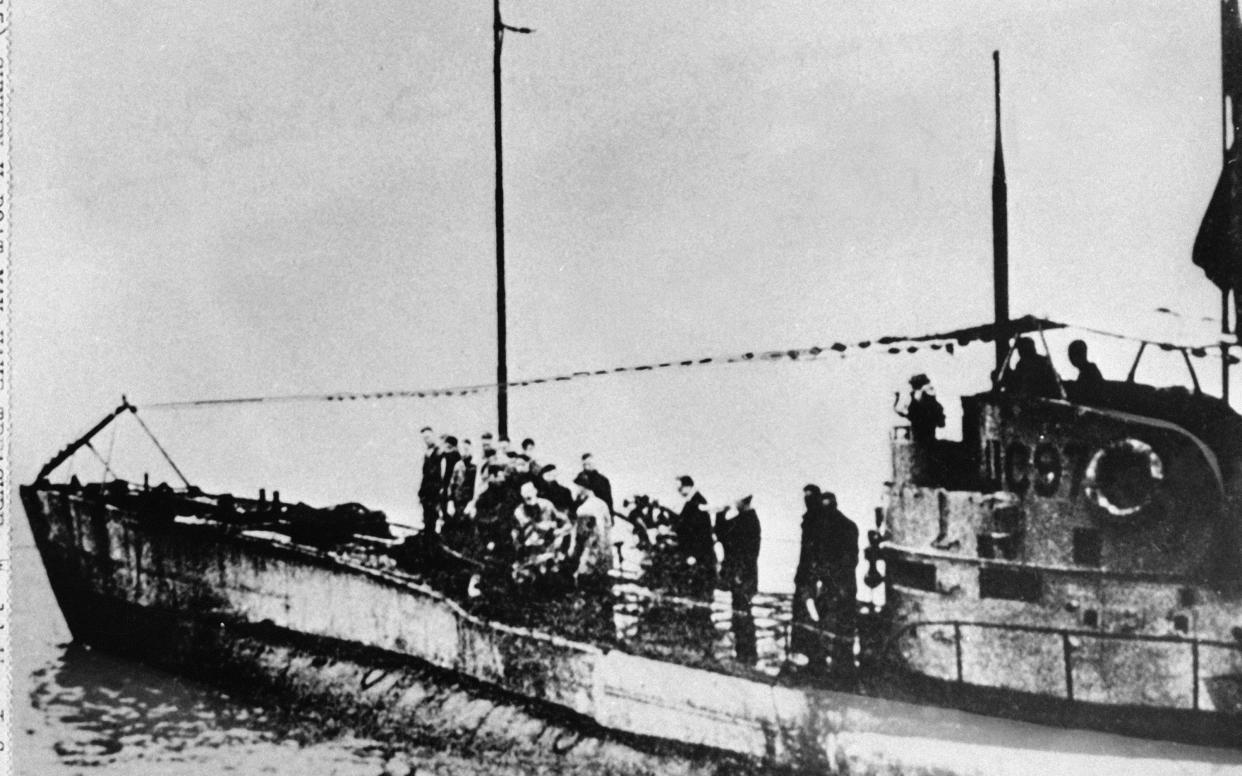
(502, 366)
(502, 359)
(1230, 124)
(1000, 233)
(1224, 345)
(1218, 245)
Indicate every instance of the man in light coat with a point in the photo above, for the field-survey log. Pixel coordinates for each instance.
(593, 522)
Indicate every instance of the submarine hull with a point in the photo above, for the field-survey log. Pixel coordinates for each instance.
(368, 643)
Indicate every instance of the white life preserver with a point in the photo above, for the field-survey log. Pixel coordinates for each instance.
(1122, 477)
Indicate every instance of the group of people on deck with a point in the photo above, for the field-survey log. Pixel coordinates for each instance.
(1033, 375)
(511, 508)
(514, 509)
(736, 528)
(825, 588)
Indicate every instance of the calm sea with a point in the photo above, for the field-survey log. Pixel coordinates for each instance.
(79, 711)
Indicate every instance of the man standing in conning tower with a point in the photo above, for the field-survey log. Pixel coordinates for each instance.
(1089, 376)
(926, 415)
(1033, 375)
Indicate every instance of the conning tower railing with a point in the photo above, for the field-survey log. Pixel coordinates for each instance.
(1067, 646)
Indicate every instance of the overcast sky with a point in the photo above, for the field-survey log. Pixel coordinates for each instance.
(221, 198)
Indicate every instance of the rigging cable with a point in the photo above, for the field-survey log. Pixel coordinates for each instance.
(111, 449)
(892, 345)
(107, 469)
(160, 447)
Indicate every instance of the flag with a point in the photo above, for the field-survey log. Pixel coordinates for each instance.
(1218, 246)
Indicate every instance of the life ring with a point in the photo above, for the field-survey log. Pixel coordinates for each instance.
(1122, 477)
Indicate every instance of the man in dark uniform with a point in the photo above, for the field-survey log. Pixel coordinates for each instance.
(1033, 375)
(693, 528)
(737, 529)
(600, 485)
(805, 638)
(492, 509)
(841, 598)
(1089, 376)
(925, 414)
(431, 488)
(553, 491)
(449, 457)
(533, 466)
(825, 581)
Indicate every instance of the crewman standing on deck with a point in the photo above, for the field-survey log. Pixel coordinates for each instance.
(539, 534)
(600, 485)
(737, 530)
(449, 458)
(693, 528)
(462, 482)
(431, 488)
(553, 491)
(593, 523)
(825, 586)
(841, 598)
(591, 604)
(806, 639)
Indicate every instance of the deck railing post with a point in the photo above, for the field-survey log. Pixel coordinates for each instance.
(957, 646)
(1194, 663)
(1067, 650)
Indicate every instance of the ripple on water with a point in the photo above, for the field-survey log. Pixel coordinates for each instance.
(109, 717)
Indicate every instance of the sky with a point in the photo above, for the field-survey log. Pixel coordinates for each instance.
(222, 199)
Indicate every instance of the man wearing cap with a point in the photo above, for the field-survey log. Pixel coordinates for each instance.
(924, 411)
(492, 509)
(528, 456)
(693, 528)
(825, 586)
(737, 529)
(600, 485)
(812, 560)
(593, 521)
(926, 415)
(591, 606)
(839, 588)
(552, 490)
